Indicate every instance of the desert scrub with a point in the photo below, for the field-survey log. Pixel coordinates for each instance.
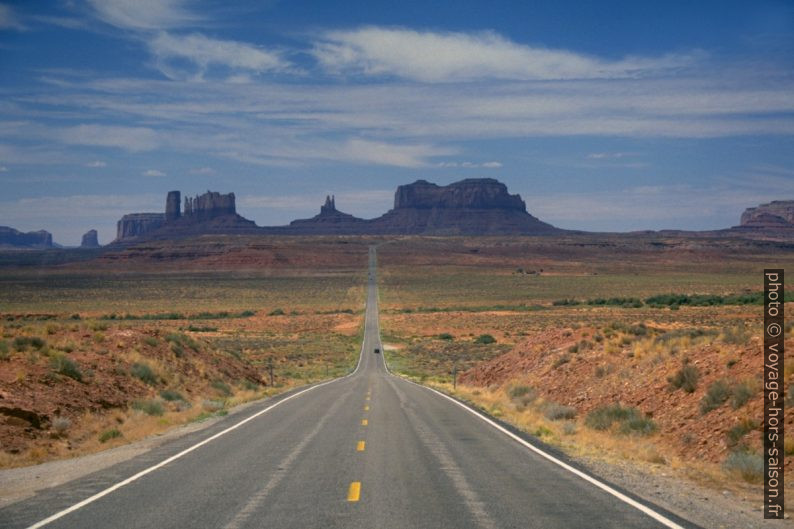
(107, 435)
(562, 359)
(746, 465)
(446, 336)
(485, 339)
(60, 425)
(735, 436)
(276, 312)
(522, 396)
(151, 341)
(221, 387)
(4, 352)
(716, 395)
(171, 395)
(630, 420)
(558, 412)
(144, 373)
(66, 367)
(24, 343)
(742, 392)
(685, 378)
(149, 407)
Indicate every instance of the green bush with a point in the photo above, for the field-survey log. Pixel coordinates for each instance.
(149, 407)
(222, 387)
(631, 420)
(717, 393)
(107, 435)
(686, 378)
(171, 395)
(735, 435)
(4, 353)
(276, 312)
(741, 393)
(66, 367)
(446, 336)
(144, 373)
(557, 412)
(485, 339)
(151, 341)
(750, 467)
(562, 359)
(23, 343)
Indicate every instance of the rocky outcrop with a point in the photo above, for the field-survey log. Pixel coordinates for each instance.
(136, 225)
(776, 214)
(473, 193)
(33, 239)
(172, 205)
(211, 212)
(90, 240)
(478, 206)
(208, 206)
(329, 220)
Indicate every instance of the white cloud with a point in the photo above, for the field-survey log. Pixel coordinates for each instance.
(128, 138)
(96, 163)
(153, 172)
(143, 14)
(202, 170)
(8, 19)
(445, 56)
(364, 151)
(205, 52)
(471, 165)
(3, 169)
(609, 155)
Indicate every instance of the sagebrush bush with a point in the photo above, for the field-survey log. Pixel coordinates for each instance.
(631, 420)
(485, 339)
(686, 378)
(748, 466)
(144, 373)
(716, 395)
(171, 395)
(107, 435)
(66, 367)
(741, 393)
(149, 407)
(222, 387)
(557, 412)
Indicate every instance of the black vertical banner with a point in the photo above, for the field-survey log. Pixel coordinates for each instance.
(773, 393)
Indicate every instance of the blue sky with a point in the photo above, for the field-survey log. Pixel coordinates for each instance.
(602, 115)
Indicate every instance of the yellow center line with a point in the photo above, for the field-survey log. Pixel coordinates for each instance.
(366, 408)
(367, 397)
(354, 492)
(364, 422)
(360, 446)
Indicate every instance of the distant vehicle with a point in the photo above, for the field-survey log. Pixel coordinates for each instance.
(377, 350)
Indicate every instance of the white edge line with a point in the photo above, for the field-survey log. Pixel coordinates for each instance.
(601, 485)
(184, 452)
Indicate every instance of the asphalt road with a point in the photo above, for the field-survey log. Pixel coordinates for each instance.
(369, 450)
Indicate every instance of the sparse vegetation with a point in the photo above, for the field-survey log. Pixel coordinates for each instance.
(222, 387)
(485, 339)
(171, 395)
(558, 412)
(107, 435)
(630, 420)
(66, 367)
(716, 395)
(685, 378)
(746, 465)
(149, 407)
(144, 373)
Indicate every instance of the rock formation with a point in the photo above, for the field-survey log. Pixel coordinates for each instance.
(776, 214)
(476, 206)
(329, 220)
(211, 212)
(208, 206)
(134, 225)
(33, 239)
(90, 240)
(172, 205)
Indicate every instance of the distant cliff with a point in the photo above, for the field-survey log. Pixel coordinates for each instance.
(476, 206)
(776, 214)
(211, 212)
(90, 239)
(33, 239)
